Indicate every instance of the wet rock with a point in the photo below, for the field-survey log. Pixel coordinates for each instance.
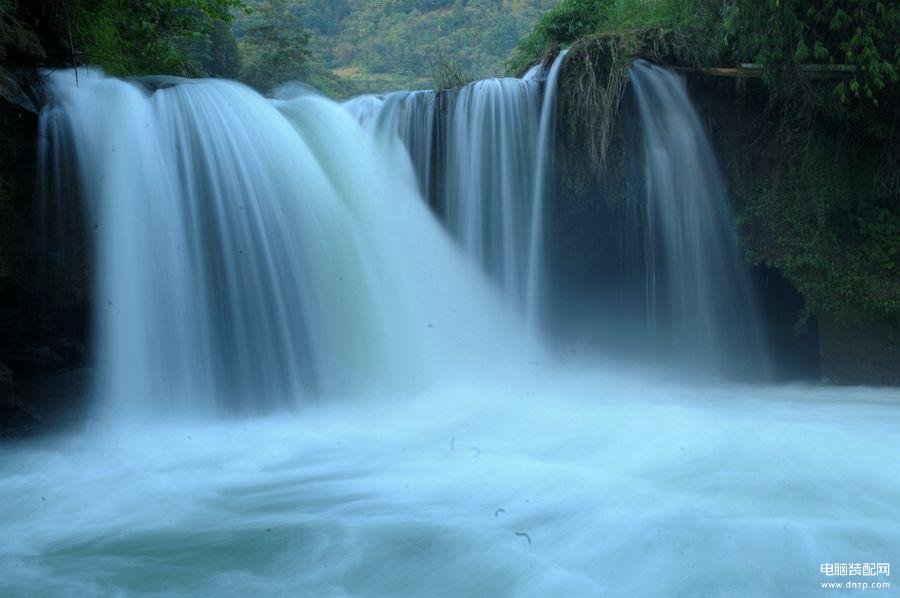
(860, 352)
(13, 91)
(6, 380)
(32, 360)
(13, 323)
(70, 350)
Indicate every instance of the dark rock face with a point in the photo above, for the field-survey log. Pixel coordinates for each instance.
(44, 303)
(734, 114)
(6, 380)
(855, 346)
(861, 352)
(596, 250)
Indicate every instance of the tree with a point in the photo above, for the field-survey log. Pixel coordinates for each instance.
(223, 58)
(275, 47)
(128, 37)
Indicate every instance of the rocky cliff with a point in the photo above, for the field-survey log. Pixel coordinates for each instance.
(43, 282)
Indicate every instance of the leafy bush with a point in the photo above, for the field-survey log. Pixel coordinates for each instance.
(570, 20)
(15, 36)
(782, 35)
(819, 220)
(858, 35)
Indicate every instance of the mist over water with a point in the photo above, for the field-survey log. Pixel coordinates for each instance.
(315, 377)
(625, 486)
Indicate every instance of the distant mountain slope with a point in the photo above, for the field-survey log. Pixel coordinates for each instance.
(378, 45)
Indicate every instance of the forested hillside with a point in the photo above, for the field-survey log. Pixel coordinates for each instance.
(377, 45)
(342, 47)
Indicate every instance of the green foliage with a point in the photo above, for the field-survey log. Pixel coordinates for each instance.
(126, 37)
(857, 35)
(782, 35)
(378, 45)
(447, 74)
(687, 27)
(222, 58)
(275, 46)
(15, 37)
(560, 26)
(8, 24)
(821, 222)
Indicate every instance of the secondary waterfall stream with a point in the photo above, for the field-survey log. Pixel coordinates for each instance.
(700, 303)
(313, 375)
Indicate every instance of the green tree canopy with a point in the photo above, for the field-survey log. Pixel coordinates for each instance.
(275, 46)
(128, 37)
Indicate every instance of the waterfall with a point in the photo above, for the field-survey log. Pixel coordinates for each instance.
(251, 252)
(473, 151)
(700, 303)
(543, 186)
(489, 176)
(483, 158)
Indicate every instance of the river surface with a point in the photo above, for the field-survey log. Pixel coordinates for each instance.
(540, 482)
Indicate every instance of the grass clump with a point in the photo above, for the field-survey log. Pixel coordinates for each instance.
(446, 73)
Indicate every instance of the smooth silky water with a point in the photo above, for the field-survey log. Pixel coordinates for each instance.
(306, 388)
(624, 485)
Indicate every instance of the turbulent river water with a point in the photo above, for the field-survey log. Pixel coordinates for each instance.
(309, 383)
(536, 482)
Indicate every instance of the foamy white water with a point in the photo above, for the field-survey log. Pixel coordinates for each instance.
(624, 487)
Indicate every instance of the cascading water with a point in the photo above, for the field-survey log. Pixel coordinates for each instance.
(489, 177)
(246, 256)
(483, 156)
(543, 187)
(700, 303)
(408, 114)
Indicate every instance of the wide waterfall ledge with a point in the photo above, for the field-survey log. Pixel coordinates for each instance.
(327, 361)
